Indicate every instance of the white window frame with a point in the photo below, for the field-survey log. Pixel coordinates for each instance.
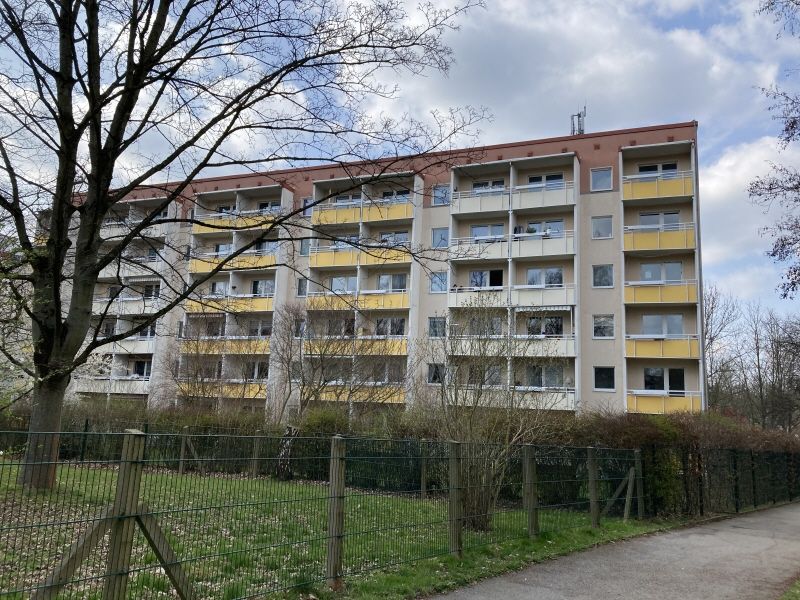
(591, 179)
(613, 327)
(447, 195)
(431, 279)
(604, 287)
(608, 237)
(446, 236)
(594, 378)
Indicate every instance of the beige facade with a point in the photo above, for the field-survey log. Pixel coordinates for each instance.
(583, 248)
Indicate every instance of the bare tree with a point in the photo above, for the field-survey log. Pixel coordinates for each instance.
(492, 378)
(721, 316)
(98, 99)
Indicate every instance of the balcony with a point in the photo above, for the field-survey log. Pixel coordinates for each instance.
(231, 303)
(527, 245)
(659, 403)
(393, 210)
(125, 305)
(252, 260)
(385, 256)
(668, 185)
(207, 262)
(331, 301)
(221, 388)
(525, 197)
(127, 385)
(214, 222)
(377, 393)
(666, 237)
(645, 346)
(383, 299)
(357, 346)
(133, 266)
(483, 201)
(533, 295)
(226, 345)
(477, 345)
(545, 398)
(333, 256)
(477, 297)
(134, 345)
(661, 292)
(336, 213)
(562, 346)
(479, 248)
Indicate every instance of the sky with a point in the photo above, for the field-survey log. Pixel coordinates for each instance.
(637, 63)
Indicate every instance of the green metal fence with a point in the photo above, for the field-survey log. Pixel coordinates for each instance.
(135, 515)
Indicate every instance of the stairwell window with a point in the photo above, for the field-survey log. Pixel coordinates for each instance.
(603, 276)
(437, 327)
(602, 228)
(603, 327)
(441, 195)
(604, 379)
(440, 237)
(302, 287)
(601, 179)
(435, 373)
(438, 282)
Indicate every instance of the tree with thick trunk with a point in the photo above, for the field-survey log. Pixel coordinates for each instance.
(99, 99)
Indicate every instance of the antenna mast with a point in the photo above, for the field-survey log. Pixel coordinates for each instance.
(579, 122)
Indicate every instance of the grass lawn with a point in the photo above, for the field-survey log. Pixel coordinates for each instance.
(239, 537)
(793, 593)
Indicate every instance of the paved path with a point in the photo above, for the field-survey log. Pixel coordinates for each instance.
(751, 557)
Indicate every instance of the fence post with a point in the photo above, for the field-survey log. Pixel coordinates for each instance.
(423, 470)
(594, 499)
(637, 458)
(530, 490)
(83, 439)
(737, 501)
(126, 501)
(256, 452)
(184, 443)
(456, 505)
(753, 478)
(333, 562)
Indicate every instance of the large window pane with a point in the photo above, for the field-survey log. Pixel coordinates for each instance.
(671, 219)
(535, 326)
(439, 282)
(601, 179)
(654, 379)
(673, 271)
(535, 277)
(554, 376)
(652, 325)
(479, 278)
(554, 277)
(436, 326)
(651, 272)
(554, 326)
(601, 228)
(440, 237)
(650, 220)
(603, 275)
(603, 326)
(677, 383)
(674, 324)
(604, 378)
(441, 195)
(533, 375)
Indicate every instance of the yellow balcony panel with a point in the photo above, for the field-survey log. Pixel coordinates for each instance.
(378, 394)
(330, 301)
(349, 346)
(252, 261)
(249, 303)
(639, 347)
(204, 264)
(331, 215)
(225, 389)
(383, 300)
(637, 187)
(214, 224)
(213, 304)
(334, 258)
(673, 239)
(660, 404)
(241, 345)
(394, 211)
(385, 257)
(683, 292)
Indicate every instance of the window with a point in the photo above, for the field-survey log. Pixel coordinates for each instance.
(549, 277)
(394, 237)
(222, 249)
(553, 228)
(151, 290)
(677, 382)
(225, 209)
(602, 276)
(601, 228)
(259, 328)
(354, 198)
(392, 282)
(662, 325)
(488, 233)
(307, 208)
(305, 247)
(149, 332)
(437, 327)
(482, 279)
(604, 379)
(142, 368)
(665, 220)
(262, 287)
(654, 379)
(484, 326)
(218, 288)
(666, 170)
(601, 179)
(553, 181)
(551, 376)
(215, 328)
(397, 195)
(266, 247)
(603, 326)
(302, 287)
(341, 327)
(343, 284)
(435, 373)
(299, 328)
(441, 195)
(107, 328)
(494, 185)
(488, 375)
(549, 325)
(256, 369)
(390, 326)
(440, 237)
(668, 271)
(438, 282)
(114, 291)
(271, 206)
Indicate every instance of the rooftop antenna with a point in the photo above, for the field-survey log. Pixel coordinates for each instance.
(579, 122)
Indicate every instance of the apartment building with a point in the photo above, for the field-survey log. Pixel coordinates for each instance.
(584, 249)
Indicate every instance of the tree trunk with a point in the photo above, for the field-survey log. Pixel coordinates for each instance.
(284, 466)
(41, 454)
